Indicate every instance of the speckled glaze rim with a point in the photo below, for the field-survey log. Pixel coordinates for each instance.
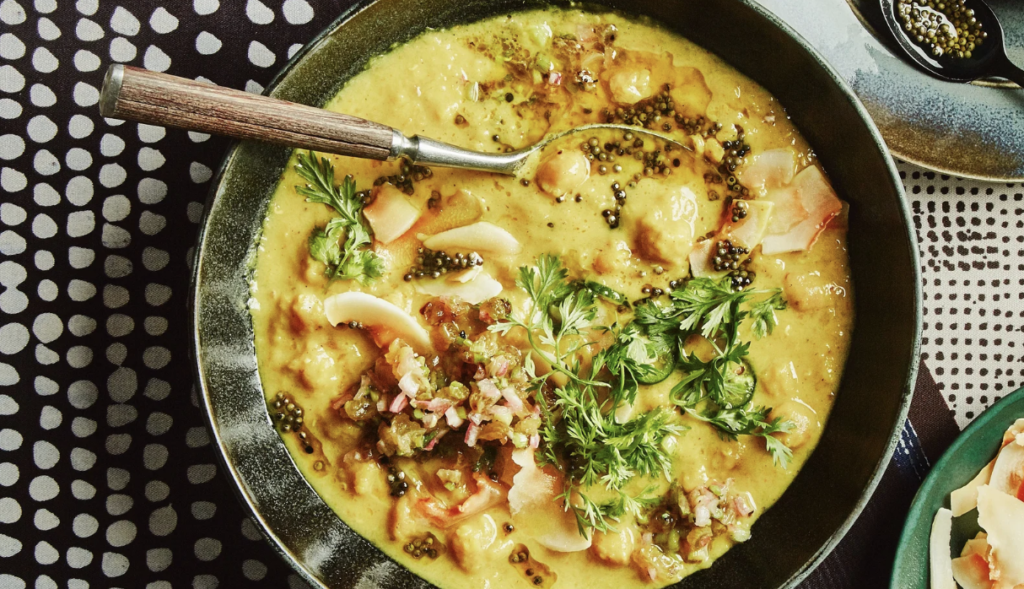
(972, 131)
(228, 295)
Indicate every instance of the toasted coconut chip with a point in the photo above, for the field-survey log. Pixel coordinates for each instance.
(536, 511)
(965, 498)
(748, 231)
(771, 169)
(788, 209)
(939, 559)
(385, 319)
(700, 259)
(821, 204)
(1002, 516)
(390, 214)
(481, 237)
(979, 546)
(474, 292)
(1008, 472)
(1014, 432)
(465, 275)
(971, 572)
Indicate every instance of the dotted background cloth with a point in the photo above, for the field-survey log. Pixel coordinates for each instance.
(107, 477)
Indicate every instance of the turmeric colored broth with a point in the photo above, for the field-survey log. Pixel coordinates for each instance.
(505, 83)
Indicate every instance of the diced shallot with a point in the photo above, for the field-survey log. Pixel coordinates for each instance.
(400, 402)
(535, 441)
(435, 440)
(437, 405)
(408, 385)
(452, 416)
(430, 420)
(501, 413)
(555, 78)
(471, 434)
(512, 400)
(742, 506)
(489, 390)
(497, 366)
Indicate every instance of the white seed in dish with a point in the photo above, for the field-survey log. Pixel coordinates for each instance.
(481, 237)
(388, 320)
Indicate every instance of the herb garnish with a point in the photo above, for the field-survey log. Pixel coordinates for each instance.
(351, 260)
(719, 390)
(579, 424)
(580, 433)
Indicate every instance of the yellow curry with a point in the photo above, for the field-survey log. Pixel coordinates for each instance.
(596, 374)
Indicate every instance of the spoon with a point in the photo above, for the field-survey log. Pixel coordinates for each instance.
(149, 97)
(987, 59)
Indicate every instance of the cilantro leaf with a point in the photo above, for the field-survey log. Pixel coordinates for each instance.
(752, 422)
(762, 314)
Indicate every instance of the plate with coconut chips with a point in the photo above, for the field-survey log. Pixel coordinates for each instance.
(966, 524)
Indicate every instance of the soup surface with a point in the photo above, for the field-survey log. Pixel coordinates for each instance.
(596, 374)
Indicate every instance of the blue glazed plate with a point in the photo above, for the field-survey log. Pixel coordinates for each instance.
(971, 130)
(971, 451)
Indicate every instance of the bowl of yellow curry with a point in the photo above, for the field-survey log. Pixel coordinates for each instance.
(641, 362)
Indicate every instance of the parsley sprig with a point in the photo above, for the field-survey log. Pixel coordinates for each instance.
(351, 260)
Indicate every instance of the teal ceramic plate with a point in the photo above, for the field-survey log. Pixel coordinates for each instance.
(975, 447)
(972, 130)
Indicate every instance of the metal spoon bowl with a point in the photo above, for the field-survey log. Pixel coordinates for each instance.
(988, 59)
(149, 97)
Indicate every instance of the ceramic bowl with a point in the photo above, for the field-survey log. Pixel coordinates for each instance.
(969, 453)
(830, 491)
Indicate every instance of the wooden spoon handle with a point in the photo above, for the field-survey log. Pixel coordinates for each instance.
(149, 97)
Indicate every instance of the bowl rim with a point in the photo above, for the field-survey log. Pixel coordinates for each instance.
(216, 187)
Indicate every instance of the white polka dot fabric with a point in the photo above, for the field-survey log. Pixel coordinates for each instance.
(107, 478)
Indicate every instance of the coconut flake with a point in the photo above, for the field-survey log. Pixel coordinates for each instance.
(971, 572)
(1002, 517)
(536, 510)
(1008, 471)
(965, 498)
(940, 561)
(474, 292)
(481, 237)
(387, 320)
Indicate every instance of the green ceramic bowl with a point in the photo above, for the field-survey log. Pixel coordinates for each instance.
(835, 484)
(971, 451)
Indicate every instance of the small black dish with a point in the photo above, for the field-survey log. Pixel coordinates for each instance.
(988, 59)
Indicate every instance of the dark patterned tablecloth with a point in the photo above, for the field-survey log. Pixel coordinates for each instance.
(107, 477)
